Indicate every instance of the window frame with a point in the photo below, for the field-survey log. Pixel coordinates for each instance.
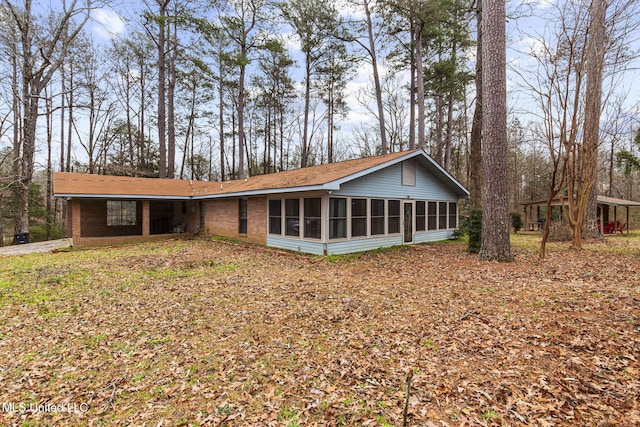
(294, 217)
(315, 218)
(443, 215)
(362, 219)
(421, 218)
(396, 219)
(337, 219)
(378, 219)
(277, 217)
(432, 217)
(243, 213)
(453, 215)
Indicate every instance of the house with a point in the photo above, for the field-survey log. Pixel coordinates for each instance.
(343, 207)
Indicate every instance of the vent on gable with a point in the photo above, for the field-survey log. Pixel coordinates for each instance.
(409, 172)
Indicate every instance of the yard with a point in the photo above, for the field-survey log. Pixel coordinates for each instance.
(212, 332)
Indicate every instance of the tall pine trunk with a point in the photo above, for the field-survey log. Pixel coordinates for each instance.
(495, 192)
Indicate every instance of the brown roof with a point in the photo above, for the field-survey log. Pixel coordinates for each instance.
(77, 184)
(603, 200)
(67, 184)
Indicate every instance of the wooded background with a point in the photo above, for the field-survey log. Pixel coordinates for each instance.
(219, 90)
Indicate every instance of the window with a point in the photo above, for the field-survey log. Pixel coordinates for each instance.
(312, 218)
(242, 215)
(337, 218)
(421, 217)
(442, 215)
(453, 215)
(432, 216)
(184, 208)
(393, 222)
(358, 217)
(121, 213)
(292, 217)
(275, 216)
(377, 216)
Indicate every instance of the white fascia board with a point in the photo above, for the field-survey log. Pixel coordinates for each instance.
(121, 196)
(265, 192)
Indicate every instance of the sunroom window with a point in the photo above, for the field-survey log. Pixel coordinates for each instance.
(377, 216)
(421, 216)
(312, 218)
(275, 216)
(292, 217)
(453, 215)
(337, 218)
(432, 215)
(393, 222)
(358, 217)
(442, 215)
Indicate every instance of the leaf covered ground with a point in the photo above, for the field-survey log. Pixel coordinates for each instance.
(206, 332)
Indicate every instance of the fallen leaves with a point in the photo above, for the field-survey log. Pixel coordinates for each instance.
(216, 333)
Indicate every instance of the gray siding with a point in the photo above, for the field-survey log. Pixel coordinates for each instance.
(296, 245)
(387, 183)
(433, 236)
(360, 245)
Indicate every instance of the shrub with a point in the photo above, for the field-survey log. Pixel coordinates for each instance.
(516, 221)
(471, 225)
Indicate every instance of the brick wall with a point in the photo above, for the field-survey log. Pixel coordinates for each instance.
(93, 220)
(221, 219)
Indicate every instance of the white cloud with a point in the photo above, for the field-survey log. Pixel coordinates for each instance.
(107, 23)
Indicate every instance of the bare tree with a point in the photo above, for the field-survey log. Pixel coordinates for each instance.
(370, 45)
(587, 46)
(41, 51)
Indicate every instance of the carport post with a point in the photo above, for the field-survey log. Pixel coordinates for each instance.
(145, 218)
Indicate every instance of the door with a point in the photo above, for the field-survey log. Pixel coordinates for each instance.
(408, 222)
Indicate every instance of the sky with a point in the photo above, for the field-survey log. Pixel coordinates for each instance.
(108, 23)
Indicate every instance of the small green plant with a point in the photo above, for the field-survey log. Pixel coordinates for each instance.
(287, 413)
(489, 415)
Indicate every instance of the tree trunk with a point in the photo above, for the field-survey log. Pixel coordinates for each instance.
(221, 112)
(307, 100)
(162, 79)
(475, 155)
(495, 193)
(376, 80)
(412, 93)
(420, 85)
(593, 108)
(171, 113)
(241, 141)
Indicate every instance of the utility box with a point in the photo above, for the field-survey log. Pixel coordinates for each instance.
(21, 238)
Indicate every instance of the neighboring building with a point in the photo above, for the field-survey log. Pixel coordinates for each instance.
(608, 219)
(343, 207)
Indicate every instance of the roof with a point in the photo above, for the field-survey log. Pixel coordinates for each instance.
(322, 177)
(603, 200)
(612, 201)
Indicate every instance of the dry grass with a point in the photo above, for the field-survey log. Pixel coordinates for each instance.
(217, 333)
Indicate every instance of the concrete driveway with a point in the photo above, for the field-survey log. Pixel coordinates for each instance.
(30, 248)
